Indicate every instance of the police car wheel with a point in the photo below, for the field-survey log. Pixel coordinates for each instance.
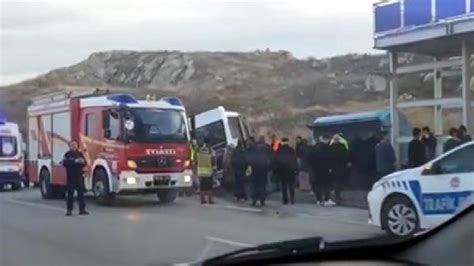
(101, 188)
(400, 217)
(45, 186)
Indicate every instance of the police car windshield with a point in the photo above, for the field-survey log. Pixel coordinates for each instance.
(8, 146)
(157, 125)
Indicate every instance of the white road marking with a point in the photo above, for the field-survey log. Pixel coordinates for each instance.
(229, 242)
(34, 205)
(305, 215)
(247, 209)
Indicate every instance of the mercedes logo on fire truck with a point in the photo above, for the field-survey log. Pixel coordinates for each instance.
(162, 161)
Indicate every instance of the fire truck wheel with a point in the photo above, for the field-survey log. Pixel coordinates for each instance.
(167, 195)
(101, 188)
(45, 186)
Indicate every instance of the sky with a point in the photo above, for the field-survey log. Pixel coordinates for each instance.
(38, 36)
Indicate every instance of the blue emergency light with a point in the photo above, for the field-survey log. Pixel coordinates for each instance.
(3, 120)
(173, 101)
(122, 98)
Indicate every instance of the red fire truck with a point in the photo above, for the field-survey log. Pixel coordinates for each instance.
(131, 146)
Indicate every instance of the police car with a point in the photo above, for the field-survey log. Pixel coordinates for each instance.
(407, 201)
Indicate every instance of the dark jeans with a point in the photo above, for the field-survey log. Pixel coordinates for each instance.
(259, 193)
(338, 186)
(288, 186)
(321, 188)
(240, 191)
(75, 184)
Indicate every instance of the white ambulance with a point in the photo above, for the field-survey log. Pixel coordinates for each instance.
(11, 155)
(420, 198)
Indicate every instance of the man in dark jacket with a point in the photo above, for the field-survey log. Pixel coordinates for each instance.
(319, 160)
(385, 156)
(286, 166)
(299, 147)
(74, 162)
(463, 136)
(430, 142)
(304, 169)
(239, 164)
(453, 140)
(339, 166)
(416, 150)
(259, 161)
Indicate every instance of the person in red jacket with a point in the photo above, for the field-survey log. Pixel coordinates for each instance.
(276, 143)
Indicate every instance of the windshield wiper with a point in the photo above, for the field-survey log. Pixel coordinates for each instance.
(312, 244)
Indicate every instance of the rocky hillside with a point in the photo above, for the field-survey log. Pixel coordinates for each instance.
(276, 91)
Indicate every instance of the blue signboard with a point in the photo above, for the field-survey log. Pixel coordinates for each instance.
(387, 17)
(450, 8)
(417, 12)
(472, 6)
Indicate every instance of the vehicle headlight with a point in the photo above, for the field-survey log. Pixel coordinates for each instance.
(132, 164)
(187, 164)
(131, 180)
(187, 179)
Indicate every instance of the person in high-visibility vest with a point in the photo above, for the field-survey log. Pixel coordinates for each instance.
(193, 157)
(205, 170)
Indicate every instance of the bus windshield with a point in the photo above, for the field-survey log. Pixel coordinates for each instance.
(157, 125)
(8, 146)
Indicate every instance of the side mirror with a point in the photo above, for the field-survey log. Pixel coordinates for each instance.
(107, 133)
(129, 124)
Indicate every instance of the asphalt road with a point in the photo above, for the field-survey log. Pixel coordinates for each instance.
(141, 231)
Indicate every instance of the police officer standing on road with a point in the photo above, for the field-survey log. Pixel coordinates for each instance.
(74, 163)
(205, 169)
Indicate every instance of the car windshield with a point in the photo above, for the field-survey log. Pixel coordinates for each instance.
(158, 125)
(8, 146)
(189, 129)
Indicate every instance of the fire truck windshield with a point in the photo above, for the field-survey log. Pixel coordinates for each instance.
(157, 125)
(8, 146)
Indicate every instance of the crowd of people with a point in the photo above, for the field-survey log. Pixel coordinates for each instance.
(317, 169)
(320, 169)
(422, 148)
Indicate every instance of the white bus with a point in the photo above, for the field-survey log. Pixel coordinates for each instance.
(224, 129)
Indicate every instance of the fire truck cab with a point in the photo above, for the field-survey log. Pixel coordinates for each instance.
(130, 146)
(11, 155)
